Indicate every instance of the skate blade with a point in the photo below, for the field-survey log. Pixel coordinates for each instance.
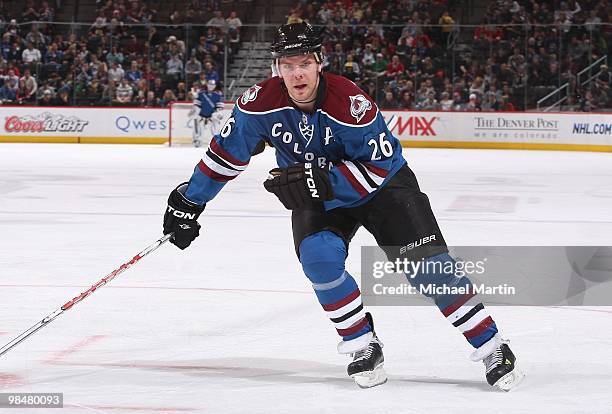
(369, 379)
(511, 380)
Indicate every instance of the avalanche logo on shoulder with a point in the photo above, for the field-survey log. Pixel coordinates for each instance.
(359, 106)
(250, 94)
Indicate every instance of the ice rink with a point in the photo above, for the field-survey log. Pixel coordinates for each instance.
(231, 324)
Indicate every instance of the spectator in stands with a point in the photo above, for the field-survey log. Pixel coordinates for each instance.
(8, 91)
(181, 92)
(380, 65)
(406, 102)
(174, 68)
(158, 88)
(167, 98)
(29, 12)
(94, 93)
(349, 71)
(97, 67)
(31, 55)
(30, 86)
(350, 58)
(134, 74)
(47, 98)
(176, 46)
(368, 56)
(35, 37)
(477, 87)
(201, 49)
(490, 103)
(429, 103)
(473, 103)
(209, 72)
(150, 101)
(115, 56)
(108, 93)
(389, 102)
(116, 72)
(506, 105)
(218, 22)
(193, 67)
(21, 93)
(446, 104)
(447, 23)
(233, 22)
(15, 53)
(124, 92)
(458, 103)
(394, 67)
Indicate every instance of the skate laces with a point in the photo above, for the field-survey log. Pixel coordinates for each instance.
(495, 359)
(366, 352)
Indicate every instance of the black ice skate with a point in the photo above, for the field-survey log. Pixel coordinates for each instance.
(367, 366)
(500, 366)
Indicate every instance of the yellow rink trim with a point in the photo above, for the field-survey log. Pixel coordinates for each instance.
(506, 145)
(81, 140)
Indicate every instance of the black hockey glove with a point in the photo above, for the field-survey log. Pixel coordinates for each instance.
(181, 218)
(300, 186)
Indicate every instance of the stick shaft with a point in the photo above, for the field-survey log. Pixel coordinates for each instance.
(100, 283)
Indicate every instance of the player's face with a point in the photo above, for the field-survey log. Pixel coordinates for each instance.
(301, 76)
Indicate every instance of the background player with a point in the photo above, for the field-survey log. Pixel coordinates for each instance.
(339, 168)
(206, 113)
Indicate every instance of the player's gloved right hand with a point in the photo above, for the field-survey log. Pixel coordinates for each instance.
(300, 186)
(181, 218)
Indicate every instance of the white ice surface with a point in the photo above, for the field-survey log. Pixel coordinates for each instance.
(231, 325)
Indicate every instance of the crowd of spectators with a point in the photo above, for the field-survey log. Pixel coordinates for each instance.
(126, 57)
(410, 54)
(407, 54)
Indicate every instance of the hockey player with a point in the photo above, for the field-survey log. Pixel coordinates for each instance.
(206, 112)
(339, 168)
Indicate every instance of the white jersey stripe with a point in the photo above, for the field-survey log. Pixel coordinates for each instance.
(218, 168)
(358, 176)
(377, 179)
(238, 167)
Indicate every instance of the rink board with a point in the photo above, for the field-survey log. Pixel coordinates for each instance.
(472, 130)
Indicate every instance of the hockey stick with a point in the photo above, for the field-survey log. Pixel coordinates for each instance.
(47, 319)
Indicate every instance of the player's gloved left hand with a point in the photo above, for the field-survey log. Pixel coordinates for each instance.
(300, 186)
(181, 218)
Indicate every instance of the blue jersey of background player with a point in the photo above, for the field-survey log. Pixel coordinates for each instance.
(339, 168)
(209, 100)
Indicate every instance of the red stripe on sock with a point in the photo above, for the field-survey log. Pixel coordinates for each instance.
(353, 329)
(458, 303)
(480, 328)
(342, 302)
